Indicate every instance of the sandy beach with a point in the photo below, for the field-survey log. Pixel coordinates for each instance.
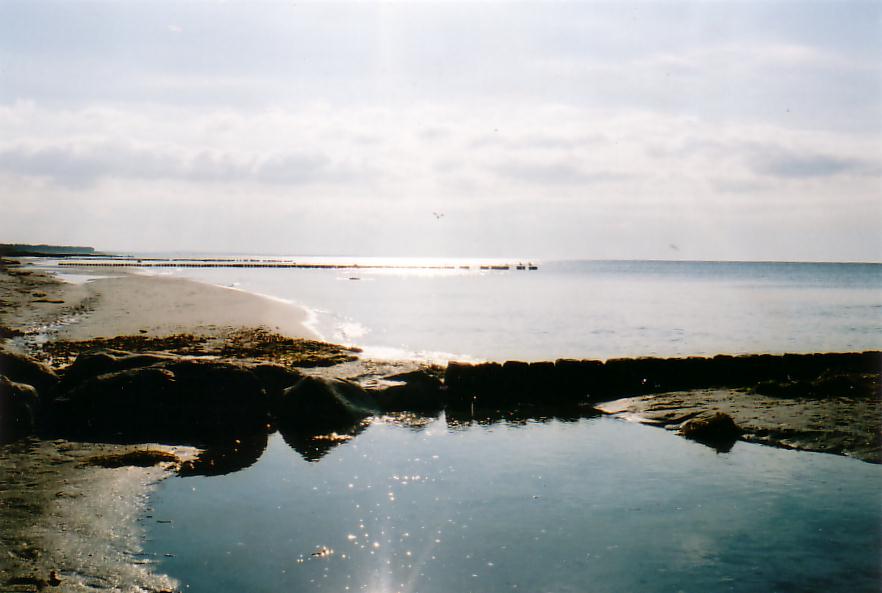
(133, 304)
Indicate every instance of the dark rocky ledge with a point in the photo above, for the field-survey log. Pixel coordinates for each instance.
(229, 406)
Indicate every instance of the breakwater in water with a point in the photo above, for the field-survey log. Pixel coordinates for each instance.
(569, 380)
(275, 264)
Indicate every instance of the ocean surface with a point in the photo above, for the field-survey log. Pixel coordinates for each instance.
(585, 505)
(578, 309)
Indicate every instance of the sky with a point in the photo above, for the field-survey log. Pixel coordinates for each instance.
(705, 130)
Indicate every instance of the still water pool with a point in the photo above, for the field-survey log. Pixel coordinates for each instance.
(589, 505)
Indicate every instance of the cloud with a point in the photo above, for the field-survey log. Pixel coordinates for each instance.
(556, 173)
(83, 165)
(776, 162)
(608, 183)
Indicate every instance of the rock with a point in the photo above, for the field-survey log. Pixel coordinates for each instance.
(715, 429)
(316, 405)
(20, 368)
(417, 391)
(18, 403)
(99, 362)
(178, 401)
(275, 378)
(132, 403)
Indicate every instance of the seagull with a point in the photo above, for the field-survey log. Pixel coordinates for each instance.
(438, 215)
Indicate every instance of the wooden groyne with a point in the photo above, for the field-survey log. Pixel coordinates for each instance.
(572, 381)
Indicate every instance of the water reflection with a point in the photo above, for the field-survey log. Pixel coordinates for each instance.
(313, 447)
(461, 418)
(226, 457)
(539, 503)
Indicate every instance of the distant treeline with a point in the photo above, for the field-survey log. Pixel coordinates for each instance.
(25, 249)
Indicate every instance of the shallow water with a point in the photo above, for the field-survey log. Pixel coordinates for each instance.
(589, 505)
(579, 309)
(585, 309)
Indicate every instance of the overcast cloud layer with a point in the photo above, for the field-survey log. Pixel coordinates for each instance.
(698, 130)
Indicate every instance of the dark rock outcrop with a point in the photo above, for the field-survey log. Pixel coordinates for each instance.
(18, 405)
(91, 364)
(23, 369)
(316, 405)
(180, 401)
(275, 378)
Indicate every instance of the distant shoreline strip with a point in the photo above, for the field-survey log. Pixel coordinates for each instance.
(275, 265)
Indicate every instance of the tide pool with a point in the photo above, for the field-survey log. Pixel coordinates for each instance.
(590, 504)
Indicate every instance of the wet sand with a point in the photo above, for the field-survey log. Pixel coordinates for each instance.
(134, 304)
(68, 522)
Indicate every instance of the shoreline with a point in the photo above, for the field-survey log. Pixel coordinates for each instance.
(57, 320)
(139, 304)
(176, 319)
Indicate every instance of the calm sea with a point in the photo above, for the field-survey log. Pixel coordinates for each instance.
(582, 309)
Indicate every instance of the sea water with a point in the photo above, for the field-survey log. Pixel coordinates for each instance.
(581, 309)
(591, 505)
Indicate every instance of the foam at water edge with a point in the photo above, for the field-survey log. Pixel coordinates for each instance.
(425, 356)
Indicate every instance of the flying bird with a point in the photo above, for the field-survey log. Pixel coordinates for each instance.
(438, 215)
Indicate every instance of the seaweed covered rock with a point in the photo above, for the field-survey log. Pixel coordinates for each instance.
(20, 368)
(18, 403)
(99, 362)
(181, 401)
(316, 405)
(715, 429)
(275, 378)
